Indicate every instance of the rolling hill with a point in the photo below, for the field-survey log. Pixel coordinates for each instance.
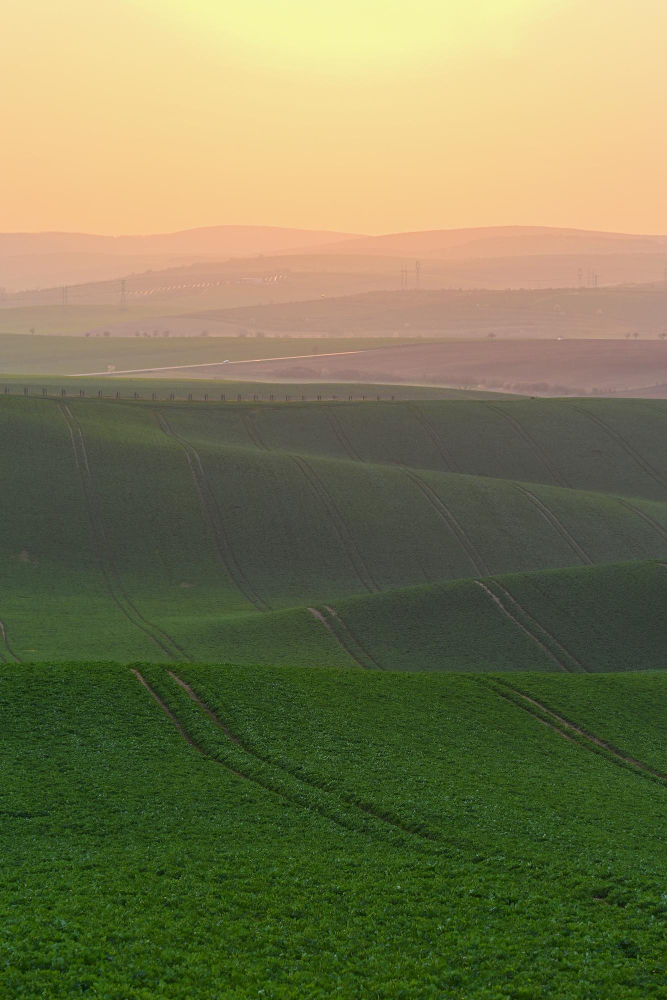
(292, 833)
(292, 532)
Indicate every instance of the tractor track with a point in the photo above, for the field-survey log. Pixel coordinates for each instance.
(450, 463)
(256, 780)
(252, 431)
(334, 614)
(549, 516)
(321, 618)
(105, 561)
(446, 515)
(5, 643)
(339, 523)
(342, 436)
(213, 517)
(618, 756)
(345, 800)
(565, 661)
(657, 527)
(533, 445)
(625, 445)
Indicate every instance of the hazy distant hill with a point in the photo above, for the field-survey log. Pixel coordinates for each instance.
(498, 241)
(29, 260)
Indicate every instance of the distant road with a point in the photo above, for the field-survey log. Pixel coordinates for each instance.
(210, 364)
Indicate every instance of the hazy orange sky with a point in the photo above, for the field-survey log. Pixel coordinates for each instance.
(360, 115)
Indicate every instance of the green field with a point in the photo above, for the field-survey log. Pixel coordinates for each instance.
(331, 699)
(330, 833)
(341, 534)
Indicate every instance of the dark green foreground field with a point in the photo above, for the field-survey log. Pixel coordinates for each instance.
(331, 833)
(436, 767)
(442, 535)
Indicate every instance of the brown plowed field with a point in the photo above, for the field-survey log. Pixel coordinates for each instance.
(549, 367)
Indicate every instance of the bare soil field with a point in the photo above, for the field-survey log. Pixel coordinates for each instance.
(541, 367)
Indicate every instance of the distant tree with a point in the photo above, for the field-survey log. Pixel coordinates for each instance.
(107, 333)
(491, 336)
(627, 336)
(87, 334)
(635, 335)
(663, 335)
(204, 333)
(136, 333)
(32, 330)
(165, 333)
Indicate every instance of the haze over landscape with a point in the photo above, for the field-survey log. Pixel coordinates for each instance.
(333, 441)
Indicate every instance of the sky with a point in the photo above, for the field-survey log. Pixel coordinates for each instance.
(362, 116)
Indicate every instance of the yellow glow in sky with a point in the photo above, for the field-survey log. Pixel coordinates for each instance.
(154, 115)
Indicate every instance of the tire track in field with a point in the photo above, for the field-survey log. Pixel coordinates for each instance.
(343, 799)
(342, 436)
(657, 527)
(252, 432)
(586, 735)
(254, 779)
(450, 463)
(339, 523)
(350, 644)
(537, 449)
(512, 609)
(5, 643)
(110, 574)
(446, 515)
(625, 445)
(555, 523)
(213, 517)
(533, 715)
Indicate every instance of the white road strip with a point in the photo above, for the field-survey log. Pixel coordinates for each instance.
(210, 364)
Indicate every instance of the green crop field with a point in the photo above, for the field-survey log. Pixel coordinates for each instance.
(332, 833)
(328, 698)
(377, 534)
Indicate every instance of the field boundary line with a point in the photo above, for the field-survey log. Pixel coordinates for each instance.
(340, 524)
(549, 636)
(625, 445)
(367, 809)
(254, 779)
(434, 436)
(107, 567)
(536, 448)
(213, 517)
(446, 515)
(5, 642)
(496, 600)
(341, 434)
(622, 758)
(556, 523)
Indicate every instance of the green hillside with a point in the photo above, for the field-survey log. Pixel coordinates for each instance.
(330, 833)
(205, 532)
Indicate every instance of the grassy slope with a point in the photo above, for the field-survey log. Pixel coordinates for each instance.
(180, 539)
(485, 856)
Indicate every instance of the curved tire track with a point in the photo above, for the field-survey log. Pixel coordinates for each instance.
(5, 643)
(537, 449)
(105, 561)
(446, 515)
(450, 463)
(213, 517)
(625, 445)
(555, 523)
(339, 523)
